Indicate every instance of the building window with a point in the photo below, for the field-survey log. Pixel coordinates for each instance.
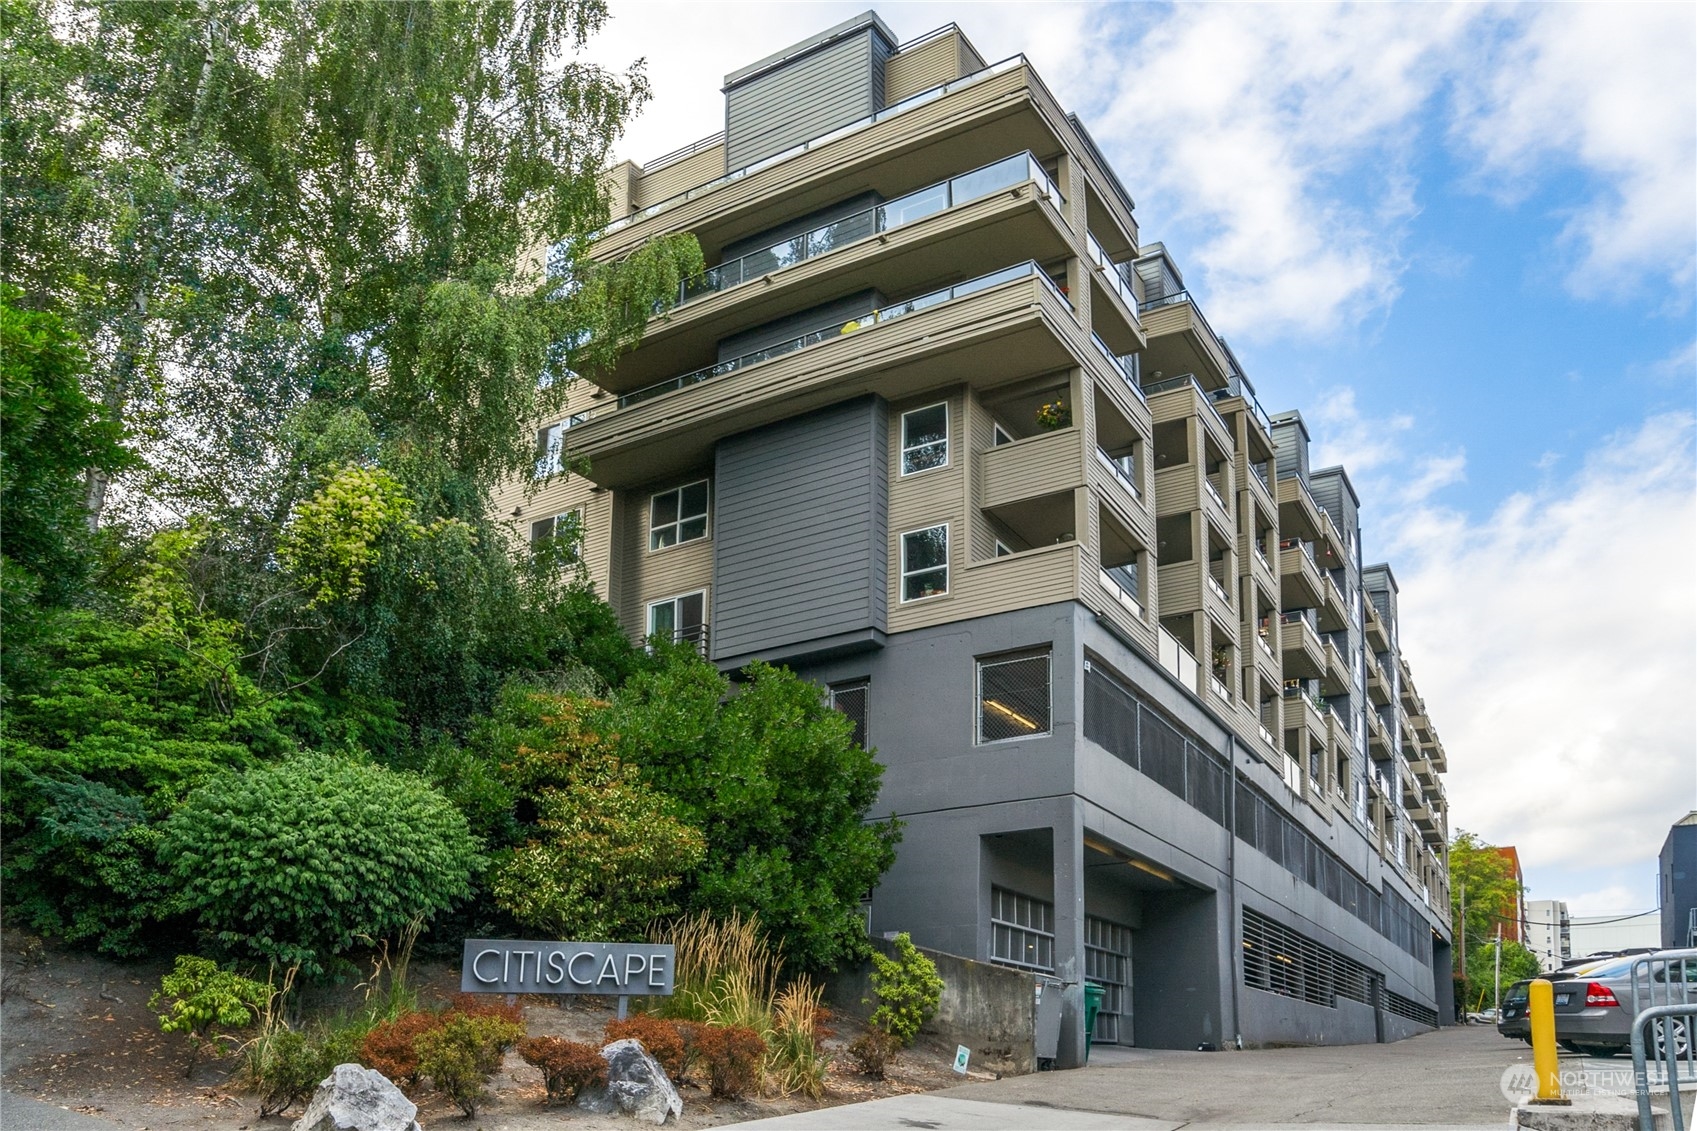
(678, 516)
(1022, 931)
(925, 563)
(680, 618)
(925, 438)
(1013, 697)
(551, 444)
(567, 524)
(850, 699)
(1107, 962)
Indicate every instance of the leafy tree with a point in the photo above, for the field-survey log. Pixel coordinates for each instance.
(774, 779)
(50, 436)
(298, 861)
(204, 1000)
(1487, 878)
(1517, 963)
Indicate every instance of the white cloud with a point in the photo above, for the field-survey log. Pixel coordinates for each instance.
(1344, 436)
(1607, 89)
(1556, 642)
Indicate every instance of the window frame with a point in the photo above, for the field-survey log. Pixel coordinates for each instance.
(862, 684)
(676, 524)
(906, 448)
(981, 662)
(648, 618)
(947, 566)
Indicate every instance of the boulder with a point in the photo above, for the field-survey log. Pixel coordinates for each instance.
(636, 1085)
(352, 1098)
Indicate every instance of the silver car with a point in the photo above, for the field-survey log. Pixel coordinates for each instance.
(1593, 1008)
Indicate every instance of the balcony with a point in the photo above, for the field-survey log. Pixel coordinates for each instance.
(1181, 341)
(1330, 547)
(1379, 745)
(1335, 680)
(1127, 367)
(1304, 706)
(1378, 632)
(1303, 654)
(1299, 514)
(1121, 588)
(1299, 582)
(1378, 685)
(1178, 397)
(987, 332)
(1334, 613)
(1121, 470)
(1044, 464)
(1112, 290)
(870, 222)
(1178, 660)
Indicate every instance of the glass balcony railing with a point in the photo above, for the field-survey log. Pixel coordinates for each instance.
(1236, 386)
(1122, 471)
(1122, 588)
(1113, 274)
(902, 107)
(1214, 491)
(858, 324)
(1179, 382)
(1219, 590)
(1126, 366)
(1173, 299)
(892, 214)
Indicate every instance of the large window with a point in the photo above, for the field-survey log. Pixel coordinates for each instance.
(678, 516)
(566, 525)
(1013, 697)
(1022, 931)
(679, 618)
(925, 438)
(850, 699)
(925, 563)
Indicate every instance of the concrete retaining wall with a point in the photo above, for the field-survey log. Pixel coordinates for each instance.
(989, 1009)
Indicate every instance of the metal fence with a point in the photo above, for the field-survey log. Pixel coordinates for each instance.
(1664, 1021)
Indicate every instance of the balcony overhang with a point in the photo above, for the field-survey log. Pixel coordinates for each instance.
(964, 242)
(993, 337)
(1180, 341)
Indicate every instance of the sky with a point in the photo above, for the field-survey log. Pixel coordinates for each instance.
(1462, 241)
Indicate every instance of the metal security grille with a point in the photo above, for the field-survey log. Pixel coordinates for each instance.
(1107, 962)
(850, 699)
(1413, 1010)
(1013, 698)
(1282, 961)
(1022, 931)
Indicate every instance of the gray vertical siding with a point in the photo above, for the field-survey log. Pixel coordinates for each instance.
(805, 97)
(1290, 441)
(800, 549)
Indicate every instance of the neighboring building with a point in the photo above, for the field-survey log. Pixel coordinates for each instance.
(1548, 932)
(1596, 934)
(1678, 888)
(1512, 914)
(941, 432)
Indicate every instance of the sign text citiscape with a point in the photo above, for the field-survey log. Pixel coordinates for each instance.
(518, 966)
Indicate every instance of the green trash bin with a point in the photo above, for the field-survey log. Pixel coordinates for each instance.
(1093, 998)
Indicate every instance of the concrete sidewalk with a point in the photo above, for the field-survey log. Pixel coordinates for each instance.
(20, 1113)
(952, 1113)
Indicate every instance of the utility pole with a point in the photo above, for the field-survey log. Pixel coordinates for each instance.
(1461, 930)
(1497, 981)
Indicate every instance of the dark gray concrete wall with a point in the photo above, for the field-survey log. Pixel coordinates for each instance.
(798, 552)
(1177, 972)
(989, 1009)
(1270, 1020)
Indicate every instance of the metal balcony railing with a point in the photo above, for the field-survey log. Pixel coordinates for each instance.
(869, 222)
(858, 324)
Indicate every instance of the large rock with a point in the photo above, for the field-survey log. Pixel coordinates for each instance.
(636, 1085)
(352, 1098)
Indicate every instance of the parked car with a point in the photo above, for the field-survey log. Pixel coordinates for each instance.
(1593, 1006)
(1514, 1022)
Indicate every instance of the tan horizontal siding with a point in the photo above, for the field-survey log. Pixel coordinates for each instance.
(680, 176)
(1177, 489)
(1037, 465)
(650, 575)
(1181, 587)
(930, 64)
(1041, 576)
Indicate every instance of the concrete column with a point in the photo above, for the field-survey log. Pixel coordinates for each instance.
(1069, 934)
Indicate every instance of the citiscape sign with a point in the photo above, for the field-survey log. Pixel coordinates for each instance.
(517, 966)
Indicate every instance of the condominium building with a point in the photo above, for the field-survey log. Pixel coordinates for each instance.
(939, 430)
(1548, 932)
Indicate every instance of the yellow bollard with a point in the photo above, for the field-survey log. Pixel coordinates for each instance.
(1542, 1010)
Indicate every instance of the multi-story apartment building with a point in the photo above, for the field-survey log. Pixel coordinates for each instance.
(1548, 932)
(941, 432)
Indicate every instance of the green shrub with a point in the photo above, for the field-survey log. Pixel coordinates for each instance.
(298, 861)
(567, 1067)
(461, 1053)
(204, 1001)
(907, 988)
(284, 1067)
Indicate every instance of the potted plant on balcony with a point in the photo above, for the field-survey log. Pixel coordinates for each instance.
(1054, 416)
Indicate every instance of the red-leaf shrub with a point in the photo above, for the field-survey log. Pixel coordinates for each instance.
(392, 1047)
(659, 1036)
(732, 1054)
(567, 1067)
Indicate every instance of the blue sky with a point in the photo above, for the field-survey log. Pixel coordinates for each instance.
(1462, 240)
